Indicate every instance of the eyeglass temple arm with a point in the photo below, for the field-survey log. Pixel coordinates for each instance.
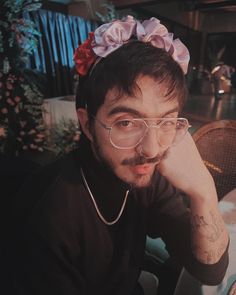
(102, 124)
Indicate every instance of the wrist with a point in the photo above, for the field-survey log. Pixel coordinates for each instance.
(207, 197)
(204, 192)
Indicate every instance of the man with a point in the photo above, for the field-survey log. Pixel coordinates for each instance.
(83, 230)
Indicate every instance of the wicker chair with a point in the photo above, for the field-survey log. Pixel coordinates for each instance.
(216, 142)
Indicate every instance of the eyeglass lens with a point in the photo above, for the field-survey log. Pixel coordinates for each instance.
(128, 133)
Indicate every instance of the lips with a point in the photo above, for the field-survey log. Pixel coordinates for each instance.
(142, 169)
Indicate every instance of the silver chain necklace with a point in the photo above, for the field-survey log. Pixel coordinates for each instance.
(96, 206)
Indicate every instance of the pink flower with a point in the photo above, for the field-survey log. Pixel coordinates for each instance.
(22, 124)
(9, 86)
(33, 146)
(17, 98)
(4, 110)
(32, 131)
(155, 33)
(110, 36)
(10, 101)
(2, 132)
(40, 135)
(76, 137)
(158, 36)
(181, 54)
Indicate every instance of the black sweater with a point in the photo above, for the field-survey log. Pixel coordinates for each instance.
(57, 244)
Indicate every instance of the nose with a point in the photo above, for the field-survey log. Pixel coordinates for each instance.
(149, 146)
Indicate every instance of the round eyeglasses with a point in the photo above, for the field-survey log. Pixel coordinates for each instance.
(128, 133)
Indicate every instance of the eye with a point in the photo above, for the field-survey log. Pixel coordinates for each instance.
(181, 124)
(125, 124)
(168, 125)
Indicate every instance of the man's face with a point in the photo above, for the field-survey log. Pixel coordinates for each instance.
(134, 165)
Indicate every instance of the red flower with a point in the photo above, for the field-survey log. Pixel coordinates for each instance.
(84, 56)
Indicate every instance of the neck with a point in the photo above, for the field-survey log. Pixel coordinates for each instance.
(107, 189)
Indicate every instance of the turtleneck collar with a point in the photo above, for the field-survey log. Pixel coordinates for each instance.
(107, 189)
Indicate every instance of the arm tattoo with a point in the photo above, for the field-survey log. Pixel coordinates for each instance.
(210, 230)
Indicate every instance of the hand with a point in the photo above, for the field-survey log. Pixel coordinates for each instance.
(184, 168)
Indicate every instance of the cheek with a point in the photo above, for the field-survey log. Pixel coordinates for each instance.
(116, 156)
(101, 135)
(101, 140)
(106, 151)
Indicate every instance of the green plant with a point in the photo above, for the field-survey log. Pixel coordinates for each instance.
(21, 115)
(18, 36)
(64, 136)
(21, 120)
(110, 15)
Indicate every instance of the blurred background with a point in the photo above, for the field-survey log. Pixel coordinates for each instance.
(38, 79)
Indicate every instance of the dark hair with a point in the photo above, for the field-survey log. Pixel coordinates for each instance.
(120, 70)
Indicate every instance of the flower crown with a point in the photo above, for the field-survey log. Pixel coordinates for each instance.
(110, 36)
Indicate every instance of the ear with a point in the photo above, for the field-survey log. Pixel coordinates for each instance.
(83, 118)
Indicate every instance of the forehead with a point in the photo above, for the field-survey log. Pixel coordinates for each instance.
(148, 100)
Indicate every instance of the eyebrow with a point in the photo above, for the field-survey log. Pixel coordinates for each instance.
(124, 109)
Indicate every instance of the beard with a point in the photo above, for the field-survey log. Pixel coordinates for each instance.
(141, 181)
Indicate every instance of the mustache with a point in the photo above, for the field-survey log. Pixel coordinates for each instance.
(140, 160)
